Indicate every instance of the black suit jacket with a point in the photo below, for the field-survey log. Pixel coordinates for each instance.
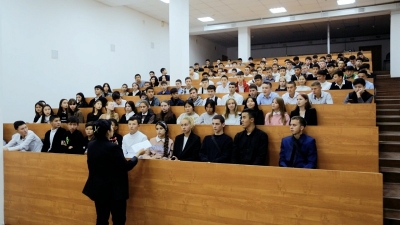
(150, 118)
(191, 150)
(347, 85)
(108, 171)
(56, 147)
(102, 99)
(310, 116)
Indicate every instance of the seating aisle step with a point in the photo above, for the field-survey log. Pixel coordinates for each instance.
(392, 217)
(388, 126)
(389, 159)
(389, 146)
(389, 136)
(390, 174)
(382, 105)
(388, 118)
(388, 112)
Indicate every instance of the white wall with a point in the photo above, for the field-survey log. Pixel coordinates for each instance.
(82, 32)
(394, 41)
(1, 130)
(202, 49)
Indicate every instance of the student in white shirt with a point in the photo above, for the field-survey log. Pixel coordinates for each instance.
(321, 77)
(317, 96)
(204, 85)
(134, 136)
(206, 117)
(211, 95)
(290, 97)
(232, 94)
(189, 112)
(24, 139)
(363, 74)
(192, 74)
(118, 101)
(302, 84)
(289, 69)
(231, 115)
(224, 87)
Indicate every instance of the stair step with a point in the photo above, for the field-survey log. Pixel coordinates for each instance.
(391, 203)
(389, 136)
(392, 216)
(384, 112)
(387, 101)
(390, 174)
(388, 126)
(388, 118)
(389, 146)
(388, 106)
(391, 221)
(391, 190)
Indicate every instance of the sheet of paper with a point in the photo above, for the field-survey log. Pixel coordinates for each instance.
(136, 147)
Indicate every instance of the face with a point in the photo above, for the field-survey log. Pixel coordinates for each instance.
(47, 111)
(322, 64)
(291, 88)
(188, 109)
(259, 70)
(106, 88)
(340, 64)
(209, 109)
(304, 70)
(275, 105)
(328, 59)
(232, 89)
(118, 101)
(185, 126)
(128, 108)
(72, 107)
(72, 127)
(275, 68)
(150, 93)
(331, 69)
(253, 92)
(362, 75)
(211, 93)
(124, 88)
(178, 84)
(64, 104)
(240, 78)
(110, 106)
(188, 82)
(315, 70)
(151, 74)
(301, 101)
(308, 61)
(250, 103)
(135, 87)
(78, 98)
(175, 95)
(143, 108)
(38, 108)
(56, 123)
(297, 71)
(98, 105)
(164, 107)
(160, 131)
(193, 94)
(231, 105)
(275, 61)
(295, 127)
(191, 71)
(97, 91)
(337, 79)
(258, 82)
(224, 80)
(246, 70)
(22, 130)
(282, 72)
(349, 72)
(358, 87)
(153, 80)
(246, 121)
(133, 126)
(217, 126)
(302, 80)
(282, 82)
(269, 73)
(316, 90)
(320, 78)
(289, 65)
(164, 86)
(138, 79)
(89, 131)
(204, 84)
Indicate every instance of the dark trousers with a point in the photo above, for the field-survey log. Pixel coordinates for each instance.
(117, 208)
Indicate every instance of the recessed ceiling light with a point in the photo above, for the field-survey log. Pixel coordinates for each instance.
(345, 2)
(278, 10)
(205, 19)
(165, 1)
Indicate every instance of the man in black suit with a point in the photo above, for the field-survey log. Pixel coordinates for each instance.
(54, 139)
(340, 83)
(164, 73)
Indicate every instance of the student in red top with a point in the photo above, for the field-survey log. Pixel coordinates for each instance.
(241, 85)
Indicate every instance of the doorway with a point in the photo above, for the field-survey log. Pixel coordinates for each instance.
(376, 51)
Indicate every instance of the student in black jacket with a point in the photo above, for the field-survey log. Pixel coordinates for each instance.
(340, 83)
(116, 138)
(74, 139)
(98, 91)
(359, 95)
(146, 114)
(187, 145)
(56, 144)
(63, 110)
(166, 114)
(305, 110)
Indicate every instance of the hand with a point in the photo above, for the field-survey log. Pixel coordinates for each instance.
(5, 149)
(141, 152)
(70, 147)
(359, 92)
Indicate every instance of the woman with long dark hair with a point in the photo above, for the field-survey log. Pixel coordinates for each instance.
(81, 101)
(130, 110)
(305, 110)
(251, 103)
(166, 114)
(38, 110)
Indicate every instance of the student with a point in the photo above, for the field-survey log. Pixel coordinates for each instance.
(317, 96)
(251, 145)
(298, 150)
(38, 111)
(349, 73)
(297, 61)
(154, 81)
(251, 103)
(364, 75)
(275, 71)
(124, 90)
(73, 110)
(46, 114)
(361, 55)
(290, 97)
(24, 139)
(208, 64)
(187, 145)
(224, 87)
(146, 115)
(289, 69)
(134, 136)
(231, 115)
(339, 83)
(206, 117)
(143, 97)
(282, 74)
(118, 101)
(81, 101)
(164, 73)
(153, 100)
(164, 89)
(217, 147)
(266, 97)
(232, 94)
(352, 61)
(341, 66)
(98, 91)
(212, 96)
(130, 110)
(321, 77)
(161, 146)
(278, 115)
(175, 100)
(197, 68)
(282, 84)
(178, 84)
(96, 111)
(313, 75)
(110, 113)
(188, 82)
(195, 98)
(74, 139)
(305, 110)
(135, 90)
(241, 85)
(63, 110)
(107, 91)
(296, 75)
(308, 63)
(314, 60)
(268, 77)
(138, 80)
(252, 92)
(166, 114)
(89, 135)
(204, 84)
(54, 139)
(304, 71)
(359, 95)
(246, 72)
(193, 75)
(257, 81)
(331, 69)
(189, 112)
(302, 84)
(116, 138)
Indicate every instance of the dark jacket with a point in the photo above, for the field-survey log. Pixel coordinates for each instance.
(108, 171)
(102, 99)
(76, 141)
(92, 117)
(150, 118)
(177, 102)
(347, 85)
(191, 150)
(56, 146)
(168, 120)
(250, 149)
(310, 116)
(352, 97)
(210, 152)
(305, 155)
(137, 94)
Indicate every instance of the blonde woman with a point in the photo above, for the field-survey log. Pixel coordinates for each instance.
(231, 114)
(110, 114)
(282, 84)
(278, 116)
(187, 145)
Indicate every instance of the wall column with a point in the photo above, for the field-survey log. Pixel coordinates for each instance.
(244, 43)
(394, 44)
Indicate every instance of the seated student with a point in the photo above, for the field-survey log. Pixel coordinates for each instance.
(96, 111)
(81, 101)
(146, 85)
(251, 145)
(241, 85)
(107, 91)
(317, 96)
(305, 110)
(257, 81)
(269, 77)
(278, 115)
(24, 139)
(116, 138)
(98, 91)
(187, 145)
(166, 114)
(313, 75)
(266, 97)
(304, 71)
(302, 84)
(217, 147)
(275, 71)
(73, 110)
(46, 114)
(161, 146)
(139, 81)
(38, 110)
(175, 100)
(364, 75)
(178, 84)
(135, 90)
(118, 101)
(89, 135)
(252, 93)
(74, 139)
(341, 65)
(164, 73)
(212, 96)
(153, 100)
(154, 81)
(63, 110)
(130, 110)
(297, 73)
(195, 98)
(321, 77)
(307, 63)
(224, 87)
(251, 103)
(54, 139)
(110, 113)
(298, 150)
(232, 94)
(290, 97)
(189, 112)
(282, 74)
(289, 69)
(197, 68)
(231, 114)
(204, 85)
(134, 136)
(193, 75)
(143, 97)
(359, 95)
(164, 89)
(366, 67)
(188, 82)
(282, 84)
(206, 117)
(124, 90)
(331, 69)
(146, 115)
(339, 83)
(349, 73)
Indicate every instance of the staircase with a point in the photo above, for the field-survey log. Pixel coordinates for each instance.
(388, 120)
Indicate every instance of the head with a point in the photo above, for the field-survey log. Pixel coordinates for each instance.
(80, 97)
(124, 88)
(349, 70)
(144, 106)
(258, 80)
(55, 121)
(302, 80)
(218, 124)
(89, 129)
(97, 107)
(303, 101)
(163, 71)
(231, 107)
(133, 124)
(150, 92)
(240, 78)
(253, 90)
(164, 106)
(297, 125)
(338, 76)
(161, 129)
(178, 84)
(322, 64)
(296, 59)
(308, 60)
(275, 67)
(316, 88)
(275, 61)
(269, 71)
(278, 105)
(103, 129)
(63, 105)
(248, 117)
(135, 86)
(98, 90)
(266, 88)
(39, 108)
(151, 73)
(193, 93)
(341, 64)
(188, 82)
(321, 76)
(73, 123)
(210, 107)
(164, 85)
(232, 88)
(352, 59)
(130, 107)
(363, 74)
(204, 83)
(110, 106)
(251, 103)
(282, 71)
(359, 84)
(138, 78)
(72, 105)
(297, 70)
(106, 88)
(315, 69)
(47, 110)
(291, 87)
(21, 128)
(189, 107)
(211, 91)
(116, 96)
(187, 124)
